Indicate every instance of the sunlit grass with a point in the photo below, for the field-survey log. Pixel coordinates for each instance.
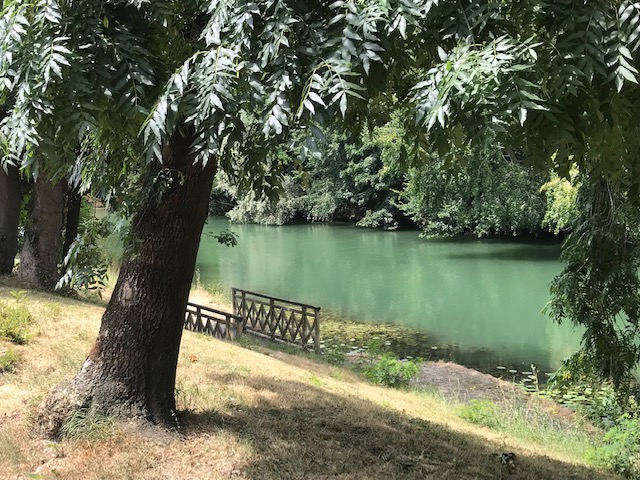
(261, 413)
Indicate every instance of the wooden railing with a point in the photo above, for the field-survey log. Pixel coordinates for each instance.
(210, 321)
(278, 319)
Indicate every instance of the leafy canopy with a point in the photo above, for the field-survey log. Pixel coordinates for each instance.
(557, 79)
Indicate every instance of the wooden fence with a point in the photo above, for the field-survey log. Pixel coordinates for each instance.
(277, 318)
(213, 322)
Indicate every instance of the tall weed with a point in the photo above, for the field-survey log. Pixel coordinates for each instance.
(88, 425)
(14, 323)
(8, 360)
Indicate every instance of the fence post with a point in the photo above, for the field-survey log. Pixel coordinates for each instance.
(239, 327)
(316, 330)
(304, 326)
(234, 292)
(272, 318)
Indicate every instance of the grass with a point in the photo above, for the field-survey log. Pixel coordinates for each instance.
(257, 414)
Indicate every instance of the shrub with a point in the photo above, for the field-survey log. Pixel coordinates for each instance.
(334, 353)
(392, 372)
(14, 324)
(8, 360)
(480, 412)
(620, 452)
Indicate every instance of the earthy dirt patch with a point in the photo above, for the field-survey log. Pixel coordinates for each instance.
(461, 384)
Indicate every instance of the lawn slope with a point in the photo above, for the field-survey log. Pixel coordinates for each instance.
(250, 414)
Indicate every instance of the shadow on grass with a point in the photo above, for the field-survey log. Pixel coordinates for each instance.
(299, 431)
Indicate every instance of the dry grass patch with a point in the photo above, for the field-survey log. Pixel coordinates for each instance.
(251, 415)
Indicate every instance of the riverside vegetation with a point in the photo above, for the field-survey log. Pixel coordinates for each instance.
(272, 414)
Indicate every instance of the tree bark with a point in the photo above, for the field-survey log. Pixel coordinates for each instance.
(74, 204)
(10, 200)
(40, 253)
(131, 369)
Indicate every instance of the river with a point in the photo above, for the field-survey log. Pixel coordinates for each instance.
(485, 297)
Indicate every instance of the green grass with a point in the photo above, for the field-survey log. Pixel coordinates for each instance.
(8, 359)
(88, 425)
(14, 323)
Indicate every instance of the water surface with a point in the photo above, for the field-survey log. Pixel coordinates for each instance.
(476, 295)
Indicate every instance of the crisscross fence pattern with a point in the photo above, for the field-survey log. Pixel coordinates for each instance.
(278, 319)
(212, 322)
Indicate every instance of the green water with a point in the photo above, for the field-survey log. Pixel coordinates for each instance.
(484, 298)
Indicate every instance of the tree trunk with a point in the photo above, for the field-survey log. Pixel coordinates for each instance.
(74, 204)
(10, 200)
(42, 236)
(131, 369)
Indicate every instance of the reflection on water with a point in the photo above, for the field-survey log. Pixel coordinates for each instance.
(472, 294)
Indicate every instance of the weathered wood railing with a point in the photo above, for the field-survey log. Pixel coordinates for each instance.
(210, 321)
(277, 318)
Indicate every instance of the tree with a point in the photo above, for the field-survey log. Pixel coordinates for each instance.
(40, 254)
(353, 178)
(244, 73)
(72, 219)
(10, 200)
(559, 79)
(489, 195)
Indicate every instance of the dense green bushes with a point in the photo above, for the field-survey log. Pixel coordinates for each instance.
(353, 180)
(492, 195)
(620, 451)
(390, 371)
(364, 179)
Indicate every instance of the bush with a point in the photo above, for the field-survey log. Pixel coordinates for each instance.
(334, 353)
(480, 412)
(8, 360)
(392, 372)
(620, 452)
(14, 324)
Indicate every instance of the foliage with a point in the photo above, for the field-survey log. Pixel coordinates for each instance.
(353, 177)
(577, 385)
(490, 195)
(599, 285)
(19, 295)
(88, 425)
(556, 79)
(8, 360)
(251, 208)
(227, 238)
(480, 412)
(334, 353)
(620, 451)
(14, 324)
(86, 266)
(392, 372)
(562, 207)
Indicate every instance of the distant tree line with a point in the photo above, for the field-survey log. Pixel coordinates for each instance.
(360, 178)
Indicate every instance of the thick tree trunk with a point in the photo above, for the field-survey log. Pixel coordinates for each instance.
(131, 370)
(74, 204)
(10, 200)
(43, 235)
